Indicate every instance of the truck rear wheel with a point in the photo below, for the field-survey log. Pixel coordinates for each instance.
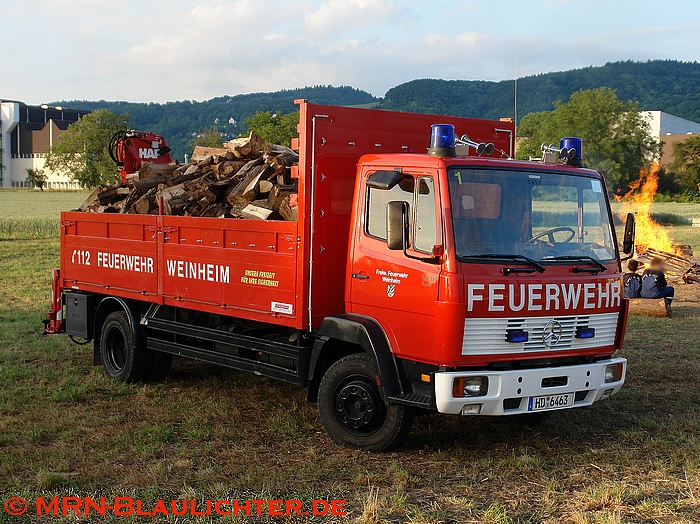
(352, 410)
(121, 359)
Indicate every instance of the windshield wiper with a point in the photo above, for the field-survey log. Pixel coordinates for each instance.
(581, 258)
(508, 270)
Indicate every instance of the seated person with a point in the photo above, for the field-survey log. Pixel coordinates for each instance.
(654, 283)
(632, 280)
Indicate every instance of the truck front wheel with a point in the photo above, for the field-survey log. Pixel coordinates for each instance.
(120, 358)
(352, 410)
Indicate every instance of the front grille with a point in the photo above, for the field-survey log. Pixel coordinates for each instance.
(488, 335)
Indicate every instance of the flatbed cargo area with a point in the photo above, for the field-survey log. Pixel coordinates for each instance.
(246, 268)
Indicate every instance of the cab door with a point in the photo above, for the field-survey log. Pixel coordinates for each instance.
(396, 289)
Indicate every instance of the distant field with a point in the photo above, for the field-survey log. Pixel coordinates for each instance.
(686, 211)
(35, 214)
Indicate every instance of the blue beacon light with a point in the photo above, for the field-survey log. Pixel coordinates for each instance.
(442, 140)
(572, 143)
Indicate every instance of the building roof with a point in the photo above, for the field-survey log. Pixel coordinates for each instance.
(666, 124)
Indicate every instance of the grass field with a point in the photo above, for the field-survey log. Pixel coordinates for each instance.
(206, 432)
(34, 214)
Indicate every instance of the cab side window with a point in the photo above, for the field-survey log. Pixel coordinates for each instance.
(425, 233)
(379, 198)
(420, 196)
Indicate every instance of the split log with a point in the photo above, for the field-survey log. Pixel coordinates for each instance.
(245, 179)
(229, 168)
(289, 212)
(201, 153)
(278, 194)
(131, 200)
(149, 169)
(277, 155)
(650, 307)
(91, 202)
(142, 206)
(215, 211)
(167, 180)
(246, 189)
(246, 147)
(167, 193)
(184, 167)
(265, 187)
(252, 212)
(113, 194)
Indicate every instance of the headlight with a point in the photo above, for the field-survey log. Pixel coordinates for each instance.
(613, 373)
(470, 387)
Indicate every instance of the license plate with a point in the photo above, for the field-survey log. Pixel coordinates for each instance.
(548, 402)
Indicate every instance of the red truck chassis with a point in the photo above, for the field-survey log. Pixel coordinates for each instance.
(376, 331)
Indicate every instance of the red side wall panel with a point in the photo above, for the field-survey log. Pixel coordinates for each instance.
(257, 270)
(342, 135)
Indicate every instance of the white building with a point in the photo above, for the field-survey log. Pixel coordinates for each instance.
(27, 133)
(664, 124)
(670, 129)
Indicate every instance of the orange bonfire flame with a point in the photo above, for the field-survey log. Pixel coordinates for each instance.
(650, 234)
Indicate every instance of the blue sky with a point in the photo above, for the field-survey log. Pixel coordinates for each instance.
(163, 50)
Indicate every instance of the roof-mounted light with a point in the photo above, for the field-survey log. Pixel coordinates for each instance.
(573, 144)
(442, 140)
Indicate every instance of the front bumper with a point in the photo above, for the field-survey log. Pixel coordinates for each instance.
(509, 391)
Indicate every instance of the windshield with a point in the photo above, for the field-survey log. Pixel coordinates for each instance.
(539, 215)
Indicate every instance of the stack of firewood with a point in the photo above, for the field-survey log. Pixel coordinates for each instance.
(247, 178)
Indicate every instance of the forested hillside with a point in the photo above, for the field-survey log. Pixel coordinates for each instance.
(179, 121)
(665, 85)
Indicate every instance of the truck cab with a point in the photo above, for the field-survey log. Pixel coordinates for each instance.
(501, 277)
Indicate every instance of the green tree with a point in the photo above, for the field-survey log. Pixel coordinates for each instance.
(210, 138)
(274, 127)
(686, 162)
(616, 136)
(82, 151)
(37, 177)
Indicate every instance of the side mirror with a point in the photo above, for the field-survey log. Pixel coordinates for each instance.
(396, 225)
(628, 238)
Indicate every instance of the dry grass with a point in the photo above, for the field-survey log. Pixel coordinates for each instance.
(211, 433)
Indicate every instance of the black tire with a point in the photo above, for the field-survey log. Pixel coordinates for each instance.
(121, 359)
(352, 410)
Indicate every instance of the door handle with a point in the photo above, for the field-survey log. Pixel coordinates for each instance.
(360, 276)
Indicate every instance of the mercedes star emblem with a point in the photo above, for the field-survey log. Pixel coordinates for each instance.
(551, 334)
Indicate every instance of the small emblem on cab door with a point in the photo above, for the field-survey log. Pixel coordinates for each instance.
(390, 290)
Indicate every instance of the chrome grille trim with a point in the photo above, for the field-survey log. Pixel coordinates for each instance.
(488, 335)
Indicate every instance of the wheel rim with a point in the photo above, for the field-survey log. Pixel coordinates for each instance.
(358, 406)
(115, 345)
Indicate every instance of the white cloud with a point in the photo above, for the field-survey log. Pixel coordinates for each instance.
(196, 49)
(339, 16)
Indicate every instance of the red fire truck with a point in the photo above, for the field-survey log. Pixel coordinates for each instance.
(446, 281)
